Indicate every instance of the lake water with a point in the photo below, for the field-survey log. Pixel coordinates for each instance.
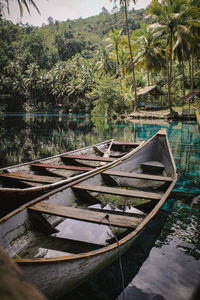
(164, 263)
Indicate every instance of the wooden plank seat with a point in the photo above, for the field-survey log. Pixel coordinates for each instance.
(65, 167)
(138, 175)
(152, 166)
(124, 146)
(86, 215)
(118, 191)
(91, 158)
(131, 144)
(30, 177)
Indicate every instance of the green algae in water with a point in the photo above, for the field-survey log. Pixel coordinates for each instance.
(116, 201)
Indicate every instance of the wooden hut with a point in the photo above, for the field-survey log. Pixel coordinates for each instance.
(154, 91)
(190, 96)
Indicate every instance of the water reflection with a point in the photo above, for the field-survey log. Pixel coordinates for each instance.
(29, 137)
(183, 223)
(167, 274)
(84, 231)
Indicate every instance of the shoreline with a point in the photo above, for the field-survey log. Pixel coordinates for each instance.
(158, 115)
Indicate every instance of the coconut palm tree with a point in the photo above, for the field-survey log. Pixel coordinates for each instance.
(149, 51)
(168, 16)
(21, 3)
(125, 3)
(193, 20)
(181, 49)
(32, 77)
(123, 58)
(104, 64)
(114, 41)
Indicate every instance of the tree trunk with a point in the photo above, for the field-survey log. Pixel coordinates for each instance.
(183, 77)
(169, 74)
(118, 66)
(151, 77)
(132, 64)
(148, 82)
(192, 71)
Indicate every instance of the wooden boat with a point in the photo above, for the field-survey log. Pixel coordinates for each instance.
(63, 237)
(26, 181)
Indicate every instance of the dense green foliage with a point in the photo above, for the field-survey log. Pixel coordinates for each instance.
(84, 65)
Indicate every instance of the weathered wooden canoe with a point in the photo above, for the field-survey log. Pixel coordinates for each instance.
(26, 181)
(62, 238)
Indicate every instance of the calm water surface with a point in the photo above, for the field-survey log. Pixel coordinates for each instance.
(164, 263)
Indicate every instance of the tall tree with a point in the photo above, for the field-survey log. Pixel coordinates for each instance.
(114, 40)
(149, 51)
(181, 49)
(21, 3)
(167, 15)
(125, 3)
(193, 20)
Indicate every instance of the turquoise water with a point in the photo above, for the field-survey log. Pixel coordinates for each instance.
(165, 261)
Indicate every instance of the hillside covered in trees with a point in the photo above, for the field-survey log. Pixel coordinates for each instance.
(84, 65)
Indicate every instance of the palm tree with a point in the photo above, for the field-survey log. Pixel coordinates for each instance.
(168, 16)
(31, 80)
(114, 40)
(123, 58)
(181, 49)
(149, 51)
(193, 20)
(125, 4)
(104, 64)
(6, 4)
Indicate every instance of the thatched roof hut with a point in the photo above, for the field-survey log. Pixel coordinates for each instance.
(153, 90)
(191, 95)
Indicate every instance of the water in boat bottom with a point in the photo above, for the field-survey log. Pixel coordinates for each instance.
(74, 236)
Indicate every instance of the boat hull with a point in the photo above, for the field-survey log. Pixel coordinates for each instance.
(55, 279)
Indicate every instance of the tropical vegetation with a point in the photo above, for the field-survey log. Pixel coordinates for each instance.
(98, 64)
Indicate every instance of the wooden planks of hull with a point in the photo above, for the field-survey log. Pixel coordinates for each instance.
(90, 158)
(138, 175)
(65, 167)
(118, 191)
(30, 177)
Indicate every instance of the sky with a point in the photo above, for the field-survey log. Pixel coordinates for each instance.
(62, 10)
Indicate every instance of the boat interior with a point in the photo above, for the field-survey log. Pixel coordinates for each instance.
(94, 212)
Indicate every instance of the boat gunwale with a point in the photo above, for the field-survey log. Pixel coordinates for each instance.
(133, 234)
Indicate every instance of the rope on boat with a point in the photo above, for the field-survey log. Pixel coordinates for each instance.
(107, 217)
